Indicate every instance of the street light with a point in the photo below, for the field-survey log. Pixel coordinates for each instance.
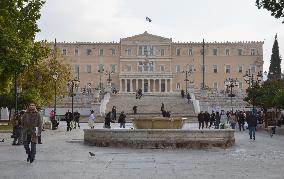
(55, 77)
(101, 71)
(231, 83)
(109, 73)
(17, 90)
(187, 73)
(253, 82)
(71, 84)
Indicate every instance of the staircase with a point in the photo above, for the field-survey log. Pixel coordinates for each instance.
(151, 104)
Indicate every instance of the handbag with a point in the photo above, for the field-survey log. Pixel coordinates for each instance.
(72, 124)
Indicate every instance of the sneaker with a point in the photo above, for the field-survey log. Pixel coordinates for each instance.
(40, 143)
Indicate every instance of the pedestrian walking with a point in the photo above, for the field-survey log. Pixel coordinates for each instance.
(18, 129)
(68, 118)
(134, 109)
(77, 119)
(31, 124)
(201, 120)
(92, 119)
(188, 97)
(232, 119)
(252, 122)
(121, 119)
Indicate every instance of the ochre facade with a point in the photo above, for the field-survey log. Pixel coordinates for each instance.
(157, 65)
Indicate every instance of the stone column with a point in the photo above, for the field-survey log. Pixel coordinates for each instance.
(131, 87)
(120, 86)
(166, 85)
(125, 85)
(154, 85)
(149, 85)
(136, 84)
(171, 85)
(143, 85)
(160, 86)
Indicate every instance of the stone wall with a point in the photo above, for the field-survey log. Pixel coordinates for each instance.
(159, 138)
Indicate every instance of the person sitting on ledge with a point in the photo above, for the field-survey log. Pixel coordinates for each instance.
(108, 120)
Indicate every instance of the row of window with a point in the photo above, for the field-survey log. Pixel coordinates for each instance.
(149, 67)
(149, 51)
(89, 52)
(100, 68)
(216, 52)
(215, 68)
(215, 85)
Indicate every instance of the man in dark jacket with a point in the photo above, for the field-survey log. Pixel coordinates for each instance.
(31, 123)
(252, 122)
(212, 119)
(206, 118)
(108, 120)
(218, 120)
(201, 119)
(77, 118)
(68, 118)
(121, 119)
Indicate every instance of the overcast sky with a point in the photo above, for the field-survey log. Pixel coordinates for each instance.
(181, 20)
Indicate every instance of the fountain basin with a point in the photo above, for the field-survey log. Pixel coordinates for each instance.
(160, 138)
(158, 123)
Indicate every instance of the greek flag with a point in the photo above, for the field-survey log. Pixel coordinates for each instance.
(148, 19)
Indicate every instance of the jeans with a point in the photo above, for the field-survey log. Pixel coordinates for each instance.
(252, 132)
(30, 151)
(122, 125)
(233, 125)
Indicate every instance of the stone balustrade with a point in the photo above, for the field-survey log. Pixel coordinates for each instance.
(159, 138)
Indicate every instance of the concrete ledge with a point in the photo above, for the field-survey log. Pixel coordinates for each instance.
(159, 138)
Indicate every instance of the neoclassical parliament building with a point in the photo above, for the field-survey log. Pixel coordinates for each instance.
(156, 64)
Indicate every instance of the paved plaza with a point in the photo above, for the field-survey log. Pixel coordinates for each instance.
(64, 155)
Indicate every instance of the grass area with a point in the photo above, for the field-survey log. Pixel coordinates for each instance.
(6, 127)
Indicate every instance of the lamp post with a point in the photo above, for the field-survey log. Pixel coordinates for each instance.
(71, 84)
(17, 90)
(231, 83)
(101, 71)
(187, 73)
(109, 73)
(253, 82)
(55, 77)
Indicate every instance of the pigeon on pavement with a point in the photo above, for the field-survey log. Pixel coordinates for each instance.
(91, 154)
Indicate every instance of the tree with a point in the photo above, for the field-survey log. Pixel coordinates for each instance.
(274, 6)
(275, 62)
(268, 95)
(18, 26)
(38, 84)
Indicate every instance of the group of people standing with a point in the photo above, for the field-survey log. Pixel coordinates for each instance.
(238, 117)
(110, 117)
(72, 120)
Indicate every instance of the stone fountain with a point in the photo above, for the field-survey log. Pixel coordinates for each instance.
(159, 132)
